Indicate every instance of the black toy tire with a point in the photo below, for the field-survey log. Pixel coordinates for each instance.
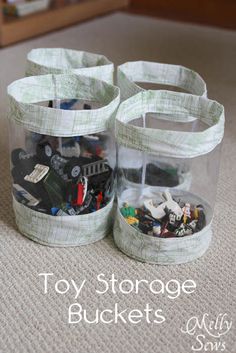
(44, 152)
(72, 170)
(16, 155)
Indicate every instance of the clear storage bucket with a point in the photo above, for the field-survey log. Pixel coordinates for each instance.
(43, 61)
(159, 133)
(62, 157)
(132, 76)
(135, 77)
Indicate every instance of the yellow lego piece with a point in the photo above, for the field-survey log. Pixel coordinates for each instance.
(132, 220)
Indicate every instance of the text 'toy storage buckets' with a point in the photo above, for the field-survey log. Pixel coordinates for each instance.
(62, 157)
(167, 225)
(43, 61)
(132, 75)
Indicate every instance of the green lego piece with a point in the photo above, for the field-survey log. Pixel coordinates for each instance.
(128, 211)
(56, 188)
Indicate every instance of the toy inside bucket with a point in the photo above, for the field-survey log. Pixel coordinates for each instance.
(160, 219)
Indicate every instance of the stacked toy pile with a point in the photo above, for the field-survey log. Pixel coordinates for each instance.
(165, 219)
(51, 183)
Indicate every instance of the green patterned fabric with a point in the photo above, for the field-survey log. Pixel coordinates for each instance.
(157, 250)
(131, 73)
(64, 230)
(160, 251)
(58, 122)
(176, 107)
(44, 61)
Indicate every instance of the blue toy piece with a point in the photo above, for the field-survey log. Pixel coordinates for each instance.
(54, 210)
(68, 104)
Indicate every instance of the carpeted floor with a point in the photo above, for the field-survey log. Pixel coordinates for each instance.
(32, 322)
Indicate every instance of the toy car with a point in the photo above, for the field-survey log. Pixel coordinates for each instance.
(52, 181)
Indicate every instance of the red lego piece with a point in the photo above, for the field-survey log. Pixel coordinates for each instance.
(99, 200)
(79, 195)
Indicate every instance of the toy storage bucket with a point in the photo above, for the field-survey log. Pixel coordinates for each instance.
(145, 72)
(129, 76)
(156, 129)
(43, 61)
(62, 157)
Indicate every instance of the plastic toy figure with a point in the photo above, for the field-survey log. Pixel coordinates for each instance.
(129, 213)
(186, 213)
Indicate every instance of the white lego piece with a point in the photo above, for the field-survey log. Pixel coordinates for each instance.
(157, 230)
(158, 211)
(37, 174)
(71, 151)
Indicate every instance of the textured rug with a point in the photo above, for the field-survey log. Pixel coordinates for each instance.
(34, 322)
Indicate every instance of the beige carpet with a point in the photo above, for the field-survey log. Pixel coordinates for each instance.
(32, 322)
